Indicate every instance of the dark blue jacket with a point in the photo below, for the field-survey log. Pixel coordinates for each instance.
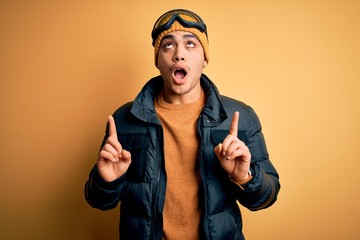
(141, 190)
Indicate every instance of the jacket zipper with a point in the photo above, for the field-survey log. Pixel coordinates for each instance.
(203, 181)
(156, 228)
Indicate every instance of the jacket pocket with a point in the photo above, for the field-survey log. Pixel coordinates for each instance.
(225, 225)
(218, 136)
(137, 145)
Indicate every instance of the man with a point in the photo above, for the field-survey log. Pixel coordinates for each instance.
(180, 155)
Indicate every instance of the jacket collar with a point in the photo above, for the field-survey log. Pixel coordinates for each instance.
(144, 109)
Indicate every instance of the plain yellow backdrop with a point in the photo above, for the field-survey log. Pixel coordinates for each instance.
(66, 65)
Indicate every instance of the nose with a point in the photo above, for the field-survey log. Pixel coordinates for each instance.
(177, 58)
(179, 55)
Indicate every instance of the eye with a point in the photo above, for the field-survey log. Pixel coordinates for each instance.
(191, 44)
(168, 45)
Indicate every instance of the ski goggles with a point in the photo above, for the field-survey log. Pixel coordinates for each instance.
(186, 18)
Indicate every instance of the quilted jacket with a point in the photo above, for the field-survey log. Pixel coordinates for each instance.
(141, 190)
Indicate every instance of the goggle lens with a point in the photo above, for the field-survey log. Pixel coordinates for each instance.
(184, 17)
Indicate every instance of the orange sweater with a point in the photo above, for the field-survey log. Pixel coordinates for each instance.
(181, 143)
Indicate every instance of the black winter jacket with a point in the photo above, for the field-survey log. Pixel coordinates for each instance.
(141, 190)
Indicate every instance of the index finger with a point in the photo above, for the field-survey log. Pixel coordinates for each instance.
(112, 127)
(234, 124)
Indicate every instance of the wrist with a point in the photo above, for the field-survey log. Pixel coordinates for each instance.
(243, 181)
(245, 178)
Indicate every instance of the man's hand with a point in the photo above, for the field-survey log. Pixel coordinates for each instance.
(113, 161)
(233, 154)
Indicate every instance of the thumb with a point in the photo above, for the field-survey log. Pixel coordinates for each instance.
(218, 149)
(126, 156)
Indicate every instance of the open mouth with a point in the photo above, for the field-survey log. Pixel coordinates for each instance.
(180, 73)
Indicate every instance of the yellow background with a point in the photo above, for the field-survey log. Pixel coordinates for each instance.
(66, 65)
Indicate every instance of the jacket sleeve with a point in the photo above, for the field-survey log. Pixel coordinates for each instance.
(262, 190)
(101, 194)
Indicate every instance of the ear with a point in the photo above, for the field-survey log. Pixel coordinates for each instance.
(205, 63)
(157, 64)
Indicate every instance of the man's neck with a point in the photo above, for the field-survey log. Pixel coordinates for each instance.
(174, 98)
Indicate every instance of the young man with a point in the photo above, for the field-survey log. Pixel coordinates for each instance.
(180, 155)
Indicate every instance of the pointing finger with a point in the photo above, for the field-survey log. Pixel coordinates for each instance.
(112, 127)
(234, 124)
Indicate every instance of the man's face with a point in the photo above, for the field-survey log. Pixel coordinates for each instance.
(181, 62)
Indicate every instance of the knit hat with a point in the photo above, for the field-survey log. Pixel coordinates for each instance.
(180, 20)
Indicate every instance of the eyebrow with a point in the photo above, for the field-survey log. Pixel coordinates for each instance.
(189, 35)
